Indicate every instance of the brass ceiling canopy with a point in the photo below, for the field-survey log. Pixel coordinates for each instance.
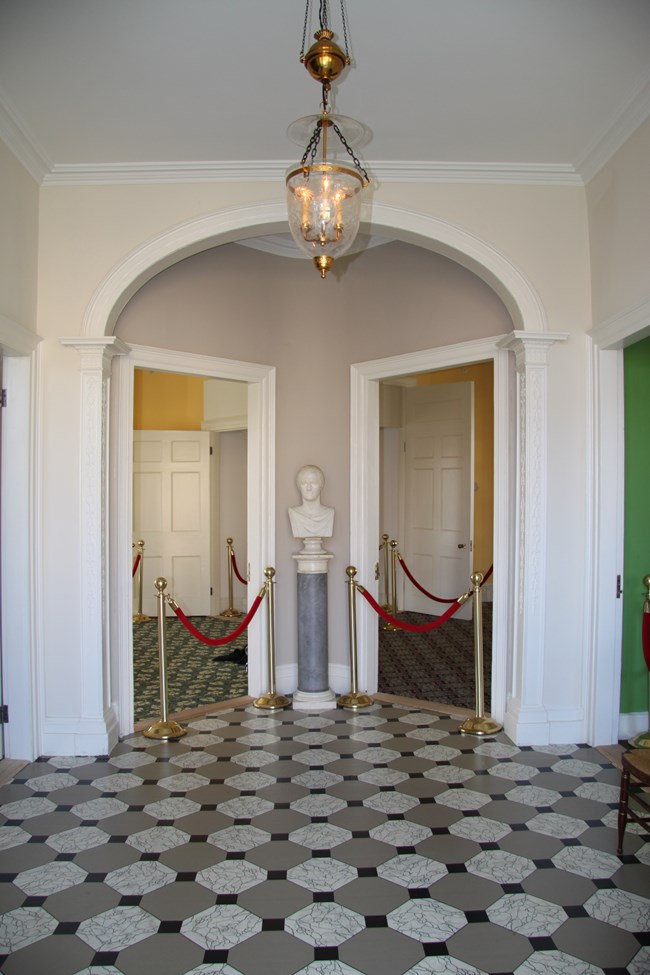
(323, 195)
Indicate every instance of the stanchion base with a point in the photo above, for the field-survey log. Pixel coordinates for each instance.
(480, 726)
(165, 731)
(230, 613)
(141, 618)
(640, 741)
(391, 627)
(272, 702)
(354, 700)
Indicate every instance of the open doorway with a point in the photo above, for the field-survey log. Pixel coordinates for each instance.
(189, 498)
(436, 449)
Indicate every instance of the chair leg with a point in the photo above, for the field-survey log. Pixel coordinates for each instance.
(622, 808)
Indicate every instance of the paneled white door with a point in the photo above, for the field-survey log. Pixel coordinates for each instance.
(171, 513)
(437, 497)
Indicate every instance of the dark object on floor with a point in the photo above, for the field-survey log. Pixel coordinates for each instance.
(636, 774)
(238, 656)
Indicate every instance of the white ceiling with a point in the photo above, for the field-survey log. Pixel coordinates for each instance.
(528, 89)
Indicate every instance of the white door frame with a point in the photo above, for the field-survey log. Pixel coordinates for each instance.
(260, 501)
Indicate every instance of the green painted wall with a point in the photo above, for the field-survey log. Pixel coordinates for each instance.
(636, 565)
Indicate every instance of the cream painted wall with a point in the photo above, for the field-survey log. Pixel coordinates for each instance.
(18, 241)
(618, 200)
(85, 231)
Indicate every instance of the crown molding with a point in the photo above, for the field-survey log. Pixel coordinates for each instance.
(15, 135)
(627, 121)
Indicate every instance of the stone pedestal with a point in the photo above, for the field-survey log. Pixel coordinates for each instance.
(313, 681)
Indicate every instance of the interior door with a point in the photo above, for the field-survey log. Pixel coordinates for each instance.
(171, 514)
(437, 496)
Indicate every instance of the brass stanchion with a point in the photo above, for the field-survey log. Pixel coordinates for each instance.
(271, 701)
(480, 724)
(384, 544)
(354, 699)
(231, 611)
(392, 607)
(139, 617)
(643, 740)
(163, 730)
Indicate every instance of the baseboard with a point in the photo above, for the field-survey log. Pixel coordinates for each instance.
(286, 678)
(85, 736)
(631, 724)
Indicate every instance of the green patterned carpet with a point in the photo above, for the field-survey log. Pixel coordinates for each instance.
(194, 678)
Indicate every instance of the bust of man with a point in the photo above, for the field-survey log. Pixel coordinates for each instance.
(311, 519)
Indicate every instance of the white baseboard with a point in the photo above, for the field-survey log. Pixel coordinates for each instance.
(85, 736)
(633, 723)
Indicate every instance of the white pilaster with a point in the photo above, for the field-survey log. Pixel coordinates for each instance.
(526, 719)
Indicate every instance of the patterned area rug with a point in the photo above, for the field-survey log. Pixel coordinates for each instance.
(194, 677)
(435, 666)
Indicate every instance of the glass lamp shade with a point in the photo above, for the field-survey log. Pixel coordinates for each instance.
(324, 208)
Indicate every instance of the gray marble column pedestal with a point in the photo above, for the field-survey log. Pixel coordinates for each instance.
(313, 693)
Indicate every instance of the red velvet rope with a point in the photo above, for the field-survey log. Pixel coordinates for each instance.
(136, 563)
(243, 581)
(645, 634)
(417, 585)
(411, 627)
(487, 575)
(219, 641)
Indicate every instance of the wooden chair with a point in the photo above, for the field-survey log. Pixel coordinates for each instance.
(636, 775)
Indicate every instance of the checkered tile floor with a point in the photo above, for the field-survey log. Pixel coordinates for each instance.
(336, 843)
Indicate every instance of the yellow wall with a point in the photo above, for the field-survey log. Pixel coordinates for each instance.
(482, 375)
(167, 401)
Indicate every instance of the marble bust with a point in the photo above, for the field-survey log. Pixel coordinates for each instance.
(311, 519)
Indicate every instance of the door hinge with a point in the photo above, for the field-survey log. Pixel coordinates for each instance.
(211, 591)
(211, 450)
(4, 714)
(619, 588)
(3, 397)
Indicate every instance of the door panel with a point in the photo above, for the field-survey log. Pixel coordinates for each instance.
(171, 513)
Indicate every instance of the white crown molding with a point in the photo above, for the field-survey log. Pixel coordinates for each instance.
(15, 339)
(621, 330)
(632, 115)
(388, 171)
(15, 135)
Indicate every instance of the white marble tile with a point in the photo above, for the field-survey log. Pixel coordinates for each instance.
(555, 749)
(599, 792)
(328, 967)
(530, 916)
(250, 781)
(643, 853)
(452, 774)
(98, 809)
(315, 757)
(397, 832)
(554, 824)
(620, 908)
(117, 928)
(480, 829)
(27, 808)
(220, 927)
(383, 776)
(140, 877)
(500, 866)
(496, 749)
(203, 740)
(443, 965)
(313, 721)
(158, 839)
(238, 839)
(317, 779)
(207, 724)
(49, 783)
(462, 799)
(231, 876)
(418, 718)
(556, 963)
(324, 924)
(428, 733)
(314, 738)
(11, 836)
(78, 839)
(173, 808)
(254, 759)
(183, 782)
(193, 759)
(391, 802)
(412, 870)
(112, 784)
(267, 723)
(426, 920)
(320, 836)
(514, 771)
(322, 874)
(244, 807)
(532, 795)
(132, 760)
(257, 738)
(640, 964)
(24, 926)
(50, 878)
(218, 968)
(437, 753)
(377, 756)
(69, 761)
(577, 768)
(371, 736)
(100, 970)
(319, 805)
(365, 720)
(585, 862)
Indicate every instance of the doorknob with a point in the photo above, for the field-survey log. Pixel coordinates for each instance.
(462, 545)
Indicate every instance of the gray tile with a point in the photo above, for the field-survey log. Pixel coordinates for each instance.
(559, 888)
(192, 856)
(164, 954)
(364, 852)
(127, 822)
(466, 891)
(110, 856)
(60, 954)
(529, 844)
(371, 896)
(80, 902)
(381, 951)
(596, 942)
(448, 849)
(73, 794)
(489, 947)
(25, 857)
(54, 822)
(634, 878)
(280, 821)
(177, 901)
(270, 953)
(508, 812)
(357, 818)
(581, 808)
(278, 855)
(274, 899)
